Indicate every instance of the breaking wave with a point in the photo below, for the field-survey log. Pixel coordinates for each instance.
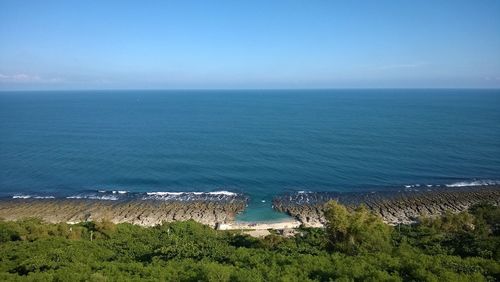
(470, 183)
(474, 183)
(193, 196)
(116, 195)
(94, 197)
(348, 197)
(32, 197)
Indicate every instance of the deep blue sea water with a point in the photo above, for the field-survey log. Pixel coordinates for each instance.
(260, 143)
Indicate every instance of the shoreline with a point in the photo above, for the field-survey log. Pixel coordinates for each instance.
(140, 212)
(395, 207)
(303, 208)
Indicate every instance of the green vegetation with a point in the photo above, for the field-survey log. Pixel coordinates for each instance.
(355, 246)
(356, 231)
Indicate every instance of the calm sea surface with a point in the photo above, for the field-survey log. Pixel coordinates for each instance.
(260, 143)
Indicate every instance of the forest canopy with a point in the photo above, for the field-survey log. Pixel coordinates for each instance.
(354, 246)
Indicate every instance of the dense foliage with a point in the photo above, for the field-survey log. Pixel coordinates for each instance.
(355, 246)
(355, 231)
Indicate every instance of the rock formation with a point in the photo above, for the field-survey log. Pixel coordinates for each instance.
(393, 207)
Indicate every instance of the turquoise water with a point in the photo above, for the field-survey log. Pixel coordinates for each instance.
(259, 143)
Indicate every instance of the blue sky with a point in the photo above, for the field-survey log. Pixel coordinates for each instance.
(249, 44)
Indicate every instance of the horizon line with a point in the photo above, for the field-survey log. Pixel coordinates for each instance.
(250, 89)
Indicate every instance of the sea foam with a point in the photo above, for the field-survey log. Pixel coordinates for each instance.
(31, 197)
(192, 196)
(474, 183)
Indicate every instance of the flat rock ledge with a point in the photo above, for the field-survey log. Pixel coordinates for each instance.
(141, 212)
(394, 207)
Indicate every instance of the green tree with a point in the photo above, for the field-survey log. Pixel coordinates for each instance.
(356, 231)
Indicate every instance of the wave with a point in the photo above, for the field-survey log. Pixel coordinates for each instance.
(305, 197)
(483, 182)
(227, 193)
(193, 196)
(115, 195)
(165, 193)
(114, 191)
(94, 197)
(474, 183)
(301, 196)
(32, 197)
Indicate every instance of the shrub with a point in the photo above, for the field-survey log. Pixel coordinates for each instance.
(355, 231)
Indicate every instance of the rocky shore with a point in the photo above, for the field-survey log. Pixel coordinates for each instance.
(393, 207)
(142, 212)
(219, 209)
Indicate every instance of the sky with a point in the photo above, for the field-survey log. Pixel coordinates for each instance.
(254, 44)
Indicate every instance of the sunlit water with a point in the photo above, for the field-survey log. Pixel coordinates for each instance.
(259, 143)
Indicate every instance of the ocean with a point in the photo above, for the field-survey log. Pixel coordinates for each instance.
(258, 143)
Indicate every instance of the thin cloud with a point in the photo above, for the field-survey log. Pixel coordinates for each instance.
(26, 78)
(492, 78)
(402, 66)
